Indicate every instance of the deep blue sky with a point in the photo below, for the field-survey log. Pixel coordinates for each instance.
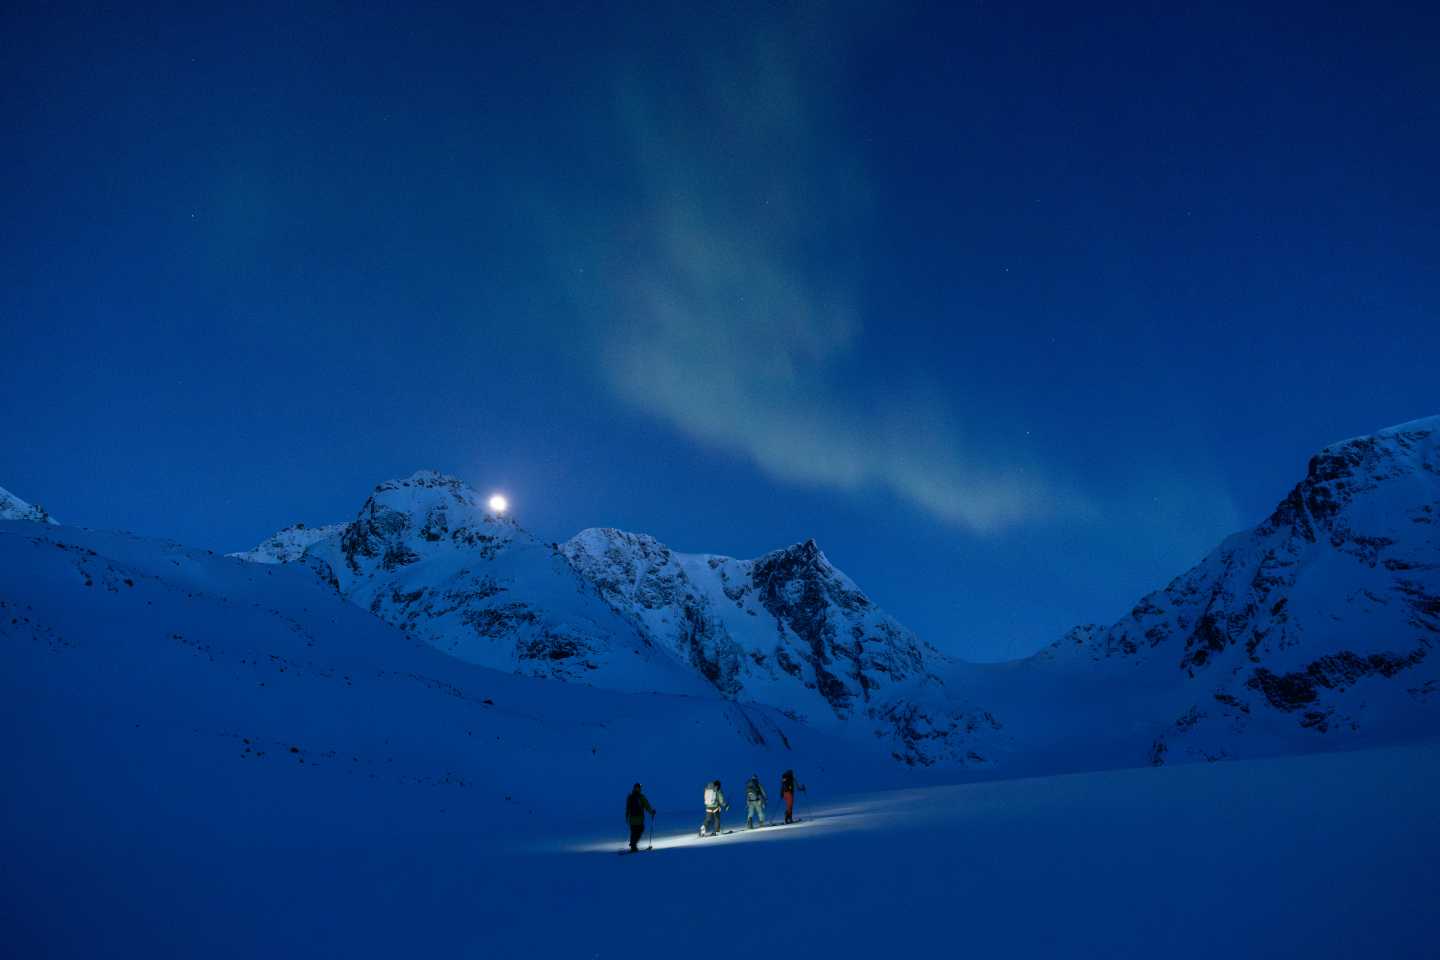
(1016, 309)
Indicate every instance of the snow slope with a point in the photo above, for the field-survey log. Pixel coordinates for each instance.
(206, 651)
(13, 508)
(290, 544)
(195, 732)
(1322, 856)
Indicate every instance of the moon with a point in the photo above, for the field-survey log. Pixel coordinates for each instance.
(498, 503)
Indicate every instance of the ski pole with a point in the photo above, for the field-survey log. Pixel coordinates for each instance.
(652, 831)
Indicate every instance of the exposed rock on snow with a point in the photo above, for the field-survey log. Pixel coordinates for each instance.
(1319, 623)
(1310, 614)
(13, 508)
(750, 625)
(622, 610)
(426, 554)
(290, 544)
(786, 629)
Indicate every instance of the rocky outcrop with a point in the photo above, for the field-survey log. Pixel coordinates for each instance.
(426, 554)
(786, 629)
(13, 508)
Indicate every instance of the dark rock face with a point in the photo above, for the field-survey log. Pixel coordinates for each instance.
(788, 629)
(794, 590)
(641, 580)
(922, 735)
(702, 639)
(386, 523)
(808, 599)
(1291, 691)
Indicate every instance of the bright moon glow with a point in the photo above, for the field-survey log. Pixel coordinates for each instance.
(499, 504)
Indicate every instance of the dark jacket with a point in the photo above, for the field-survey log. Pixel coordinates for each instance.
(636, 806)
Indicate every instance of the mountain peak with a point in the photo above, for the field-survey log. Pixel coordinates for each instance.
(1412, 441)
(427, 480)
(613, 536)
(1361, 468)
(803, 555)
(425, 490)
(1410, 430)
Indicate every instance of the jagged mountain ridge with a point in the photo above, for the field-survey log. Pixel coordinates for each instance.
(1312, 631)
(747, 625)
(786, 629)
(425, 554)
(1315, 629)
(13, 508)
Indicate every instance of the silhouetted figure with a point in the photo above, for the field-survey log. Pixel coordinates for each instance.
(636, 806)
(787, 793)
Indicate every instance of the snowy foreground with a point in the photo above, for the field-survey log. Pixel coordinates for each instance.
(1322, 856)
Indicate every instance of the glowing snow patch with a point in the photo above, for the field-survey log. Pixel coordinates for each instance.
(853, 818)
(498, 504)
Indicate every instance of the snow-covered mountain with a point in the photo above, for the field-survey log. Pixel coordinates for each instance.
(786, 629)
(1316, 630)
(13, 508)
(753, 627)
(170, 707)
(218, 756)
(426, 554)
(622, 611)
(1313, 631)
(290, 544)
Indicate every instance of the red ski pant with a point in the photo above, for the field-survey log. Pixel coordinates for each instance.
(789, 797)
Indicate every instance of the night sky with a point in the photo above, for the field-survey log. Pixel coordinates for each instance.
(1016, 309)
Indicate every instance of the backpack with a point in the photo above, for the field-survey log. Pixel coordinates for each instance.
(632, 806)
(710, 795)
(752, 790)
